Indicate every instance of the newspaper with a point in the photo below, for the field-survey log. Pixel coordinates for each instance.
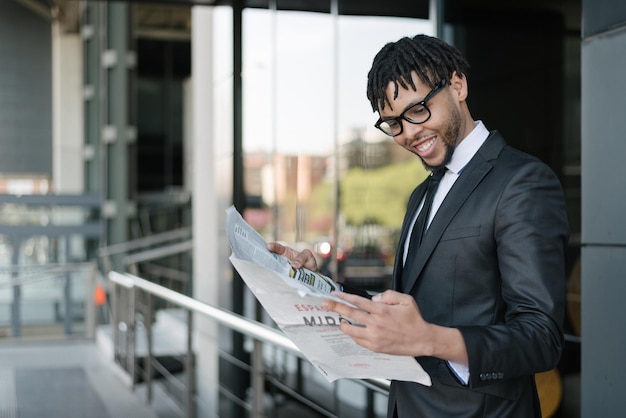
(293, 298)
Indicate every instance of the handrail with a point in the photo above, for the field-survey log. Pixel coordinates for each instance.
(145, 242)
(55, 267)
(223, 316)
(151, 254)
(38, 272)
(87, 200)
(251, 328)
(124, 248)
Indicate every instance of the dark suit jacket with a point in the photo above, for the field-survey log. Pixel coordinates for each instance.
(492, 265)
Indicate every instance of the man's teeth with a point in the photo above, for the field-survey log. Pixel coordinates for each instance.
(426, 145)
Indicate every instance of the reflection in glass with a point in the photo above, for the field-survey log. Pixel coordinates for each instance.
(317, 174)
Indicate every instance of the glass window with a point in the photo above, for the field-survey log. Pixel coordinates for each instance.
(318, 175)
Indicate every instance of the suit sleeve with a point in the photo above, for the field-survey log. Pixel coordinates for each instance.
(530, 233)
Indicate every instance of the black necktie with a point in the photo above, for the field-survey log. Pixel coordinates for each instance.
(420, 224)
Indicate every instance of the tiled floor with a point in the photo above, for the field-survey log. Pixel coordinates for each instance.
(77, 379)
(70, 379)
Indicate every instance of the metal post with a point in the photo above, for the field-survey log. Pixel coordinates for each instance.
(369, 395)
(435, 14)
(258, 379)
(90, 305)
(130, 338)
(190, 366)
(148, 363)
(115, 319)
(333, 265)
(16, 323)
(299, 375)
(240, 379)
(117, 125)
(67, 292)
(92, 22)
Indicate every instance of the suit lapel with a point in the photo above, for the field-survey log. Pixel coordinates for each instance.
(471, 176)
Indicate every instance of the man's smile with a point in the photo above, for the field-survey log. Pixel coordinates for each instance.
(424, 148)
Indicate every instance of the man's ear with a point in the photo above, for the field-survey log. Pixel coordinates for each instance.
(458, 82)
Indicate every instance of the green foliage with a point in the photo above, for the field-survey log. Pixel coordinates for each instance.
(379, 196)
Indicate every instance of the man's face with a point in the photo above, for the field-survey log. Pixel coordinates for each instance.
(433, 141)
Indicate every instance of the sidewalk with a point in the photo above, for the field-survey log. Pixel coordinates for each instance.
(65, 379)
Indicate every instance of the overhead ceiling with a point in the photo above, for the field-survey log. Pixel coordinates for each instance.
(172, 18)
(162, 21)
(403, 8)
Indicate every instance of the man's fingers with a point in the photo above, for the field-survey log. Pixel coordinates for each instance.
(391, 297)
(297, 259)
(305, 259)
(279, 249)
(363, 306)
(354, 299)
(344, 311)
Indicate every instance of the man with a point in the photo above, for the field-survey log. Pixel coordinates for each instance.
(480, 301)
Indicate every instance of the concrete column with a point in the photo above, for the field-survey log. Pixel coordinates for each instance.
(68, 164)
(603, 282)
(67, 112)
(204, 208)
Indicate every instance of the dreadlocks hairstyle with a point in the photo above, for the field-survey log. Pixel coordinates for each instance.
(430, 58)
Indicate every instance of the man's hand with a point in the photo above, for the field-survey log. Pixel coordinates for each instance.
(298, 259)
(392, 323)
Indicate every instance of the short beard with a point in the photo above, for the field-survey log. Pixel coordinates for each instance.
(446, 159)
(450, 137)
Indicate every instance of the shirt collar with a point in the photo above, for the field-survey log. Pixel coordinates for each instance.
(466, 149)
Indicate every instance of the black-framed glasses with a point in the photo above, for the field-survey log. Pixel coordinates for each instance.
(417, 113)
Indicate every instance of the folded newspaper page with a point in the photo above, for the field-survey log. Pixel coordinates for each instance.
(293, 299)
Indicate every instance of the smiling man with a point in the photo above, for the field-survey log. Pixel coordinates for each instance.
(479, 276)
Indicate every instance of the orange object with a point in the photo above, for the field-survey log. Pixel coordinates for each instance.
(99, 295)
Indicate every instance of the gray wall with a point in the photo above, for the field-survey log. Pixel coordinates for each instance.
(603, 208)
(25, 91)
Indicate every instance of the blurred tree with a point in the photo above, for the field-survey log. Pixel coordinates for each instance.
(379, 196)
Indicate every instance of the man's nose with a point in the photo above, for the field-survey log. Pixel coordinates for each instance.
(409, 130)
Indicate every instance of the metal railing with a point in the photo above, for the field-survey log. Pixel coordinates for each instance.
(160, 243)
(37, 231)
(125, 291)
(49, 300)
(130, 255)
